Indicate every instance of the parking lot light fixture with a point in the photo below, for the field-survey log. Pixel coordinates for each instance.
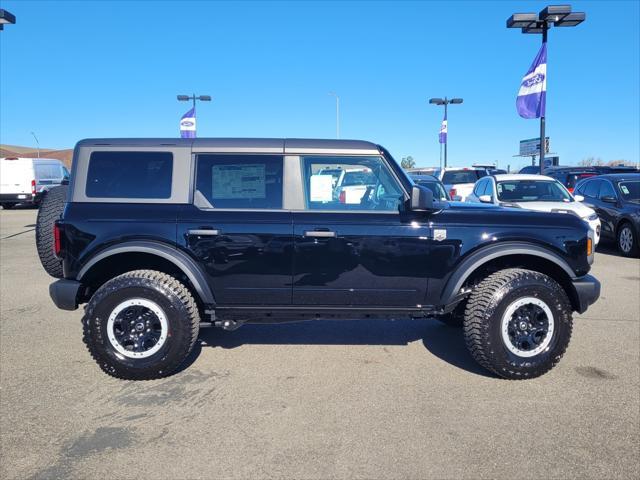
(445, 101)
(194, 97)
(6, 18)
(530, 23)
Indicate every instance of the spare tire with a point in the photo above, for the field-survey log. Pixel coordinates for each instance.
(50, 210)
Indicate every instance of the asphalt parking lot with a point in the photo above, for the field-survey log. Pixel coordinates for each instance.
(361, 399)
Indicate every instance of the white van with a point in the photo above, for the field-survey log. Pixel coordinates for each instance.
(26, 180)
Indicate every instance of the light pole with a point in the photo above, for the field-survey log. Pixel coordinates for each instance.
(333, 94)
(552, 15)
(445, 101)
(37, 143)
(186, 98)
(6, 18)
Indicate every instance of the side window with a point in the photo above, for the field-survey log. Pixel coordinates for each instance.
(363, 183)
(606, 190)
(479, 188)
(489, 189)
(130, 175)
(591, 189)
(240, 181)
(48, 172)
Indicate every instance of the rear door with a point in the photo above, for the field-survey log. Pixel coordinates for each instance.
(237, 228)
(16, 175)
(367, 253)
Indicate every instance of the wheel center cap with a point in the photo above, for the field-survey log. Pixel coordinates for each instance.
(523, 325)
(139, 326)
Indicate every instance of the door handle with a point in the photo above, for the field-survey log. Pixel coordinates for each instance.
(319, 234)
(202, 232)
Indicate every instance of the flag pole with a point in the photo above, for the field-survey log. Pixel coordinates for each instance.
(542, 118)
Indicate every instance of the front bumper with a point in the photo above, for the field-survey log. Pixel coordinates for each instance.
(64, 293)
(587, 290)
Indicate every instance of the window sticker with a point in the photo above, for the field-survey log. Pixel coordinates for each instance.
(624, 189)
(238, 181)
(321, 188)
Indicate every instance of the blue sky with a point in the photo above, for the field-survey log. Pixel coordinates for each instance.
(70, 70)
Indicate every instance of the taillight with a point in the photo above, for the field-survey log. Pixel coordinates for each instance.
(452, 193)
(33, 187)
(57, 244)
(570, 189)
(342, 197)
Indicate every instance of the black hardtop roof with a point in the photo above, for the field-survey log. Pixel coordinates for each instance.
(620, 176)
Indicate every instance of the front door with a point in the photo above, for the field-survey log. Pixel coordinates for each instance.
(237, 230)
(353, 245)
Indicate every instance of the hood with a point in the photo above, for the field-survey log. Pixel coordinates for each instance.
(579, 208)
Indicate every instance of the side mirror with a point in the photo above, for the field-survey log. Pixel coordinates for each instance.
(421, 198)
(579, 198)
(485, 198)
(65, 180)
(609, 199)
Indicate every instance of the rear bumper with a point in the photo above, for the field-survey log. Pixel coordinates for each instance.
(587, 292)
(16, 198)
(64, 294)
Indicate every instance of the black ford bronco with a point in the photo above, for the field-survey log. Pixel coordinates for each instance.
(159, 235)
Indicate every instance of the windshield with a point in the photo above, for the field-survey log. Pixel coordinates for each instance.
(532, 191)
(630, 191)
(439, 193)
(453, 177)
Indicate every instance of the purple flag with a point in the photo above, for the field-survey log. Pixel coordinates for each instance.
(188, 124)
(443, 130)
(532, 95)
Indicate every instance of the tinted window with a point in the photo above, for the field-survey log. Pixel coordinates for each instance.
(241, 181)
(630, 190)
(606, 190)
(489, 189)
(532, 191)
(479, 188)
(130, 175)
(462, 176)
(591, 189)
(365, 183)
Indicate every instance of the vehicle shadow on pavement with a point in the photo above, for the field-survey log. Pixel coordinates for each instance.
(442, 341)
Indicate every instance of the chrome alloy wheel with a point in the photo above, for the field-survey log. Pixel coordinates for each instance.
(625, 239)
(527, 327)
(137, 328)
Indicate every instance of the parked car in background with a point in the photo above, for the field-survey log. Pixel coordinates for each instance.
(616, 200)
(433, 184)
(530, 170)
(533, 192)
(353, 184)
(569, 176)
(27, 180)
(459, 181)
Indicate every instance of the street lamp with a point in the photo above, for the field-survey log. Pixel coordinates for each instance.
(186, 98)
(552, 15)
(445, 101)
(333, 94)
(6, 18)
(37, 143)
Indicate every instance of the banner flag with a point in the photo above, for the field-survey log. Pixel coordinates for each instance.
(188, 124)
(532, 95)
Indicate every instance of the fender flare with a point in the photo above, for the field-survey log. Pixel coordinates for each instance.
(180, 259)
(491, 252)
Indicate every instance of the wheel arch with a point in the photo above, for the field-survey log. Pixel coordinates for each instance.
(135, 255)
(500, 256)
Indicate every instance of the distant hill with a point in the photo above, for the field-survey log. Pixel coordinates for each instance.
(32, 152)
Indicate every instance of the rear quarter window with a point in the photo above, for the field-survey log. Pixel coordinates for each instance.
(130, 175)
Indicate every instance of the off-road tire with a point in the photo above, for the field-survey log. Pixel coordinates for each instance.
(455, 318)
(50, 210)
(170, 295)
(633, 251)
(8, 206)
(488, 303)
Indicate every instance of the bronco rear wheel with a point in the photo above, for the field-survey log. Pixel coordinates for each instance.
(141, 325)
(518, 323)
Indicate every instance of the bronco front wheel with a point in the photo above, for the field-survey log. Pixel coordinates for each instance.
(518, 323)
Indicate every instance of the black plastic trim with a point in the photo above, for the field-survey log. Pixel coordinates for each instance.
(587, 291)
(64, 293)
(180, 259)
